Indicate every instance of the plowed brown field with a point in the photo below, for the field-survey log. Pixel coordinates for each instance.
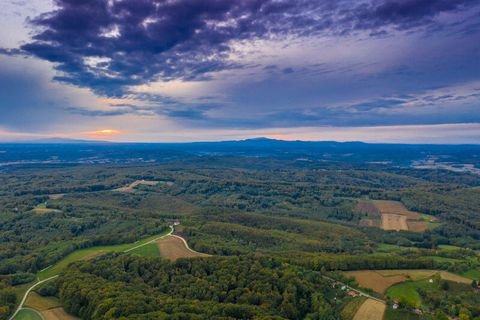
(173, 248)
(376, 281)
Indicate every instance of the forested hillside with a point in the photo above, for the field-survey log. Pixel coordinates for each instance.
(302, 215)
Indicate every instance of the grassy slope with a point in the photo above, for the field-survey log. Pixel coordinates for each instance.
(148, 250)
(27, 314)
(407, 291)
(89, 252)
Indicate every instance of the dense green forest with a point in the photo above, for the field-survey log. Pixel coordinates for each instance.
(245, 287)
(298, 215)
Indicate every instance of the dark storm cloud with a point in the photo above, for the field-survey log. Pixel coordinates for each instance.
(403, 13)
(144, 40)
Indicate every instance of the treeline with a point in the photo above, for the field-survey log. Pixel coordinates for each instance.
(247, 287)
(328, 262)
(8, 295)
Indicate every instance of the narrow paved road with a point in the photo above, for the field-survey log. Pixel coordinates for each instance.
(187, 246)
(360, 292)
(20, 306)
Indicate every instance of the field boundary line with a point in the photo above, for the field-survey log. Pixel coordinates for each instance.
(22, 302)
(151, 241)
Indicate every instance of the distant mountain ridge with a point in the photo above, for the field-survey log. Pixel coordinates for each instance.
(61, 150)
(60, 140)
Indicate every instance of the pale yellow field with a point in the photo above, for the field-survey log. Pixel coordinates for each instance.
(392, 221)
(45, 210)
(395, 216)
(454, 277)
(370, 310)
(56, 196)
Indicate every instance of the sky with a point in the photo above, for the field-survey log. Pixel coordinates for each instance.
(191, 70)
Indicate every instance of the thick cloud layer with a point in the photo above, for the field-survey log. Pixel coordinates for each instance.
(109, 45)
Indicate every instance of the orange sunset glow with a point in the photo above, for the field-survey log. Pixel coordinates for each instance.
(103, 134)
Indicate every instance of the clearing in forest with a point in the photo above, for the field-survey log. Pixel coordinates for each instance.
(395, 216)
(173, 248)
(49, 307)
(131, 187)
(42, 209)
(392, 215)
(370, 310)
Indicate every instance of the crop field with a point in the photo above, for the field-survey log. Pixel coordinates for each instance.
(350, 310)
(37, 302)
(57, 314)
(370, 310)
(375, 280)
(173, 248)
(380, 280)
(395, 222)
(42, 209)
(49, 307)
(408, 274)
(423, 274)
(396, 217)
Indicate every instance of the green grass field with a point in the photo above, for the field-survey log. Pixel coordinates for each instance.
(473, 274)
(148, 250)
(28, 314)
(406, 291)
(87, 253)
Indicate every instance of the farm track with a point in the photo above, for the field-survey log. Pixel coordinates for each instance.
(175, 247)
